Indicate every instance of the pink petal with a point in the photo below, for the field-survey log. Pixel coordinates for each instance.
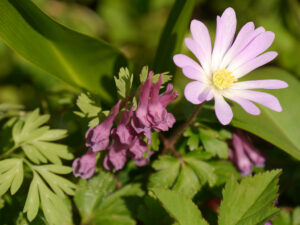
(195, 92)
(201, 36)
(194, 74)
(260, 44)
(201, 55)
(247, 29)
(223, 110)
(240, 43)
(260, 97)
(248, 106)
(253, 64)
(226, 25)
(182, 61)
(260, 84)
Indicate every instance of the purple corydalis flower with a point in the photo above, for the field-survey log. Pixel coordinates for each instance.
(124, 130)
(268, 223)
(98, 138)
(151, 113)
(220, 68)
(84, 166)
(244, 154)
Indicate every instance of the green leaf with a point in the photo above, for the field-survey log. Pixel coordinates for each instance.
(57, 183)
(172, 35)
(79, 60)
(296, 216)
(98, 201)
(144, 74)
(88, 106)
(182, 209)
(35, 139)
(186, 175)
(9, 110)
(153, 213)
(283, 218)
(251, 201)
(224, 170)
(281, 129)
(213, 144)
(32, 203)
(124, 82)
(55, 209)
(11, 175)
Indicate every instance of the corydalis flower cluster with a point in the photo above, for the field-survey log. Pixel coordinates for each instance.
(219, 70)
(244, 155)
(127, 138)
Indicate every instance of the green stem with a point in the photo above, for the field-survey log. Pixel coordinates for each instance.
(8, 152)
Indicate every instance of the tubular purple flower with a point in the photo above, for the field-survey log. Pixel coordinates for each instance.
(218, 70)
(241, 159)
(254, 154)
(168, 96)
(142, 109)
(84, 166)
(138, 149)
(143, 161)
(157, 114)
(124, 130)
(116, 156)
(98, 138)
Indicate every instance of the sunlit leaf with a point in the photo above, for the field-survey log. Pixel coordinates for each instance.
(80, 60)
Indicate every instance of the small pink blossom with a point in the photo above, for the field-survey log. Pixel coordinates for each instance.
(218, 70)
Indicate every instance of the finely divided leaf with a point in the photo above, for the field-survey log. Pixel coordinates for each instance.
(124, 82)
(182, 209)
(251, 201)
(35, 139)
(55, 208)
(11, 175)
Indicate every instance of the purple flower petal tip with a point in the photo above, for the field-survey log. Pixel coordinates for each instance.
(85, 166)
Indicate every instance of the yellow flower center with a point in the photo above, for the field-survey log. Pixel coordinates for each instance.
(223, 79)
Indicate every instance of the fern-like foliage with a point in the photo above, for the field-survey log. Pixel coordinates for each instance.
(34, 146)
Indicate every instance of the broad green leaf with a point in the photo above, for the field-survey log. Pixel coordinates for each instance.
(213, 144)
(186, 175)
(224, 170)
(11, 175)
(167, 171)
(79, 60)
(283, 218)
(251, 201)
(296, 216)
(173, 34)
(279, 128)
(182, 209)
(98, 201)
(90, 191)
(124, 82)
(151, 212)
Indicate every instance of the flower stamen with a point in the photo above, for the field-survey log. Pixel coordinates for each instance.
(223, 79)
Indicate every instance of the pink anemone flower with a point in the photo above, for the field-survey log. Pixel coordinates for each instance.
(220, 68)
